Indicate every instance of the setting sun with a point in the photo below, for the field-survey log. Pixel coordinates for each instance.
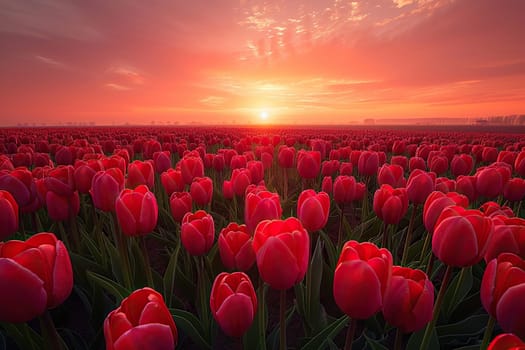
(263, 115)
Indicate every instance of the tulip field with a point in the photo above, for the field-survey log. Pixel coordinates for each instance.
(262, 238)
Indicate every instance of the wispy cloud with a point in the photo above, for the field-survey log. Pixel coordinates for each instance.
(51, 62)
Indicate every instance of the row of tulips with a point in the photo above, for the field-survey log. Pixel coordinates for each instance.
(99, 198)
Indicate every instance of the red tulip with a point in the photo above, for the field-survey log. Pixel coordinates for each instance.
(313, 209)
(409, 299)
(180, 204)
(436, 202)
(59, 195)
(286, 157)
(461, 164)
(191, 167)
(344, 189)
(84, 173)
(398, 147)
(5, 163)
(416, 163)
(514, 189)
(461, 240)
(235, 247)
(489, 154)
(368, 163)
(278, 244)
(419, 186)
(506, 238)
(233, 303)
(227, 189)
(391, 175)
(105, 188)
(390, 205)
(467, 185)
(141, 322)
(172, 181)
(308, 164)
(439, 165)
(240, 179)
(492, 209)
(137, 211)
(327, 184)
(519, 163)
(361, 278)
(35, 275)
(256, 169)
(506, 341)
(197, 232)
(445, 185)
(162, 161)
(402, 161)
(21, 184)
(140, 173)
(201, 190)
(502, 291)
(9, 217)
(491, 180)
(259, 206)
(218, 162)
(238, 161)
(346, 168)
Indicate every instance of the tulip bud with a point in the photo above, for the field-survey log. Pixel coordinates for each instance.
(313, 209)
(137, 211)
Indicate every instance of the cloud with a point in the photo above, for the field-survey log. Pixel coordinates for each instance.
(51, 62)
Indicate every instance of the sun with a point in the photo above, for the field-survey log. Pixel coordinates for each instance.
(264, 115)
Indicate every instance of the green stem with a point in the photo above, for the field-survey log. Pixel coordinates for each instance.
(437, 307)
(409, 234)
(74, 233)
(340, 234)
(63, 234)
(399, 340)
(425, 246)
(261, 299)
(488, 333)
(282, 320)
(49, 332)
(384, 235)
(430, 265)
(350, 334)
(147, 267)
(122, 247)
(461, 277)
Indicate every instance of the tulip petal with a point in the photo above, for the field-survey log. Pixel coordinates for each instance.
(152, 336)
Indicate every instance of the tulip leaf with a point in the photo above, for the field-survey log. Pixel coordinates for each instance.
(457, 291)
(109, 285)
(331, 250)
(313, 289)
(191, 326)
(330, 331)
(23, 335)
(374, 344)
(273, 338)
(416, 338)
(469, 327)
(169, 276)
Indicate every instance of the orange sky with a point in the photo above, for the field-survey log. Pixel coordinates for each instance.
(332, 61)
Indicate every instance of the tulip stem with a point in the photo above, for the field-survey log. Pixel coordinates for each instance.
(74, 233)
(384, 231)
(123, 251)
(350, 332)
(285, 185)
(425, 246)
(399, 340)
(409, 234)
(437, 307)
(49, 332)
(147, 267)
(430, 264)
(488, 333)
(340, 234)
(261, 313)
(63, 234)
(282, 320)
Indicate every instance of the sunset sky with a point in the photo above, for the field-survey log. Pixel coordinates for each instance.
(255, 61)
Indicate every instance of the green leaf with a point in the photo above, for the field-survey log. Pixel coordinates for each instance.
(471, 326)
(273, 338)
(23, 335)
(374, 344)
(169, 276)
(109, 285)
(313, 291)
(416, 338)
(190, 325)
(456, 293)
(329, 332)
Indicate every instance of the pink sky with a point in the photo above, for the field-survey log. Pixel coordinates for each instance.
(227, 61)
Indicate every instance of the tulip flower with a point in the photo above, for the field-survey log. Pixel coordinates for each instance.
(391, 175)
(490, 181)
(327, 184)
(235, 247)
(390, 205)
(279, 243)
(180, 204)
(461, 164)
(191, 167)
(172, 181)
(140, 173)
(419, 186)
(308, 163)
(35, 275)
(60, 195)
(142, 321)
(506, 238)
(9, 217)
(256, 169)
(506, 341)
(233, 303)
(197, 232)
(162, 161)
(467, 185)
(286, 157)
(259, 206)
(368, 163)
(502, 291)
(137, 211)
(105, 188)
(519, 163)
(460, 240)
(201, 190)
(436, 202)
(514, 189)
(84, 173)
(240, 179)
(409, 299)
(313, 209)
(361, 278)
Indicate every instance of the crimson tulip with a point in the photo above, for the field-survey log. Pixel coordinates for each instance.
(162, 161)
(461, 164)
(141, 322)
(259, 206)
(201, 190)
(235, 247)
(105, 188)
(197, 232)
(233, 303)
(506, 238)
(514, 189)
(419, 186)
(286, 157)
(313, 209)
(137, 211)
(278, 244)
(491, 180)
(361, 278)
(391, 175)
(172, 181)
(436, 202)
(9, 218)
(191, 166)
(390, 205)
(409, 299)
(180, 204)
(35, 275)
(506, 341)
(140, 173)
(308, 163)
(240, 179)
